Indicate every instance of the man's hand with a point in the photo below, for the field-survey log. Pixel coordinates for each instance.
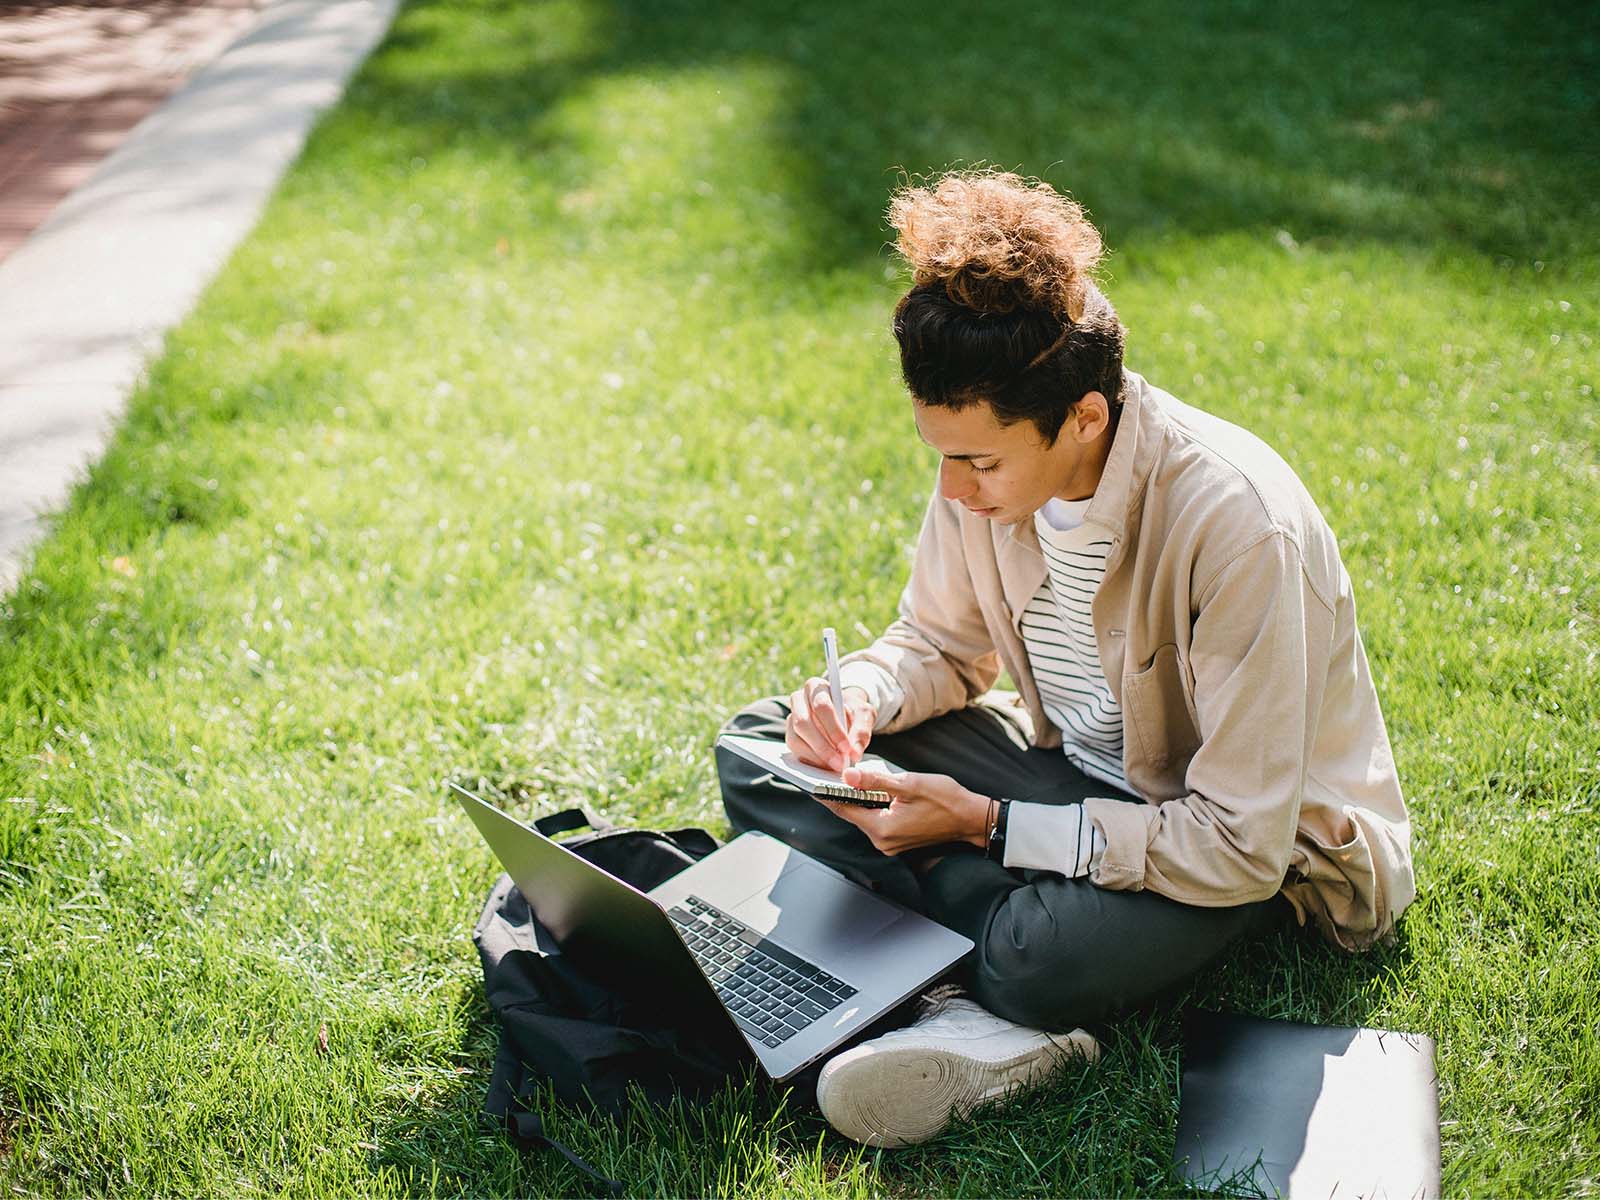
(819, 735)
(924, 810)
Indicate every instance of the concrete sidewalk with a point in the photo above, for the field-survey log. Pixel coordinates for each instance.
(76, 78)
(88, 298)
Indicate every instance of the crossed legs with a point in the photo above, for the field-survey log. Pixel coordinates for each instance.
(1051, 952)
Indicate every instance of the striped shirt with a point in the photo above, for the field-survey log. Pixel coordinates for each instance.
(1059, 636)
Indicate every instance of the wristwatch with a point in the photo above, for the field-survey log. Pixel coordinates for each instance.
(996, 850)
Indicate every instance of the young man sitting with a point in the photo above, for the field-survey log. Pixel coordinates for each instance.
(1194, 746)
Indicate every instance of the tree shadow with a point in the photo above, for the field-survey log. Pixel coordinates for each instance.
(1457, 130)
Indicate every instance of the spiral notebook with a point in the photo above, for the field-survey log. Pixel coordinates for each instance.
(775, 757)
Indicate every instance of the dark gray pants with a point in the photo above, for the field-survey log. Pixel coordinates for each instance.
(1051, 952)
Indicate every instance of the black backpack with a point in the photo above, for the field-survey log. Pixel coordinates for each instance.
(561, 1028)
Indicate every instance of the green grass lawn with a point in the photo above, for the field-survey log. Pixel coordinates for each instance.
(551, 411)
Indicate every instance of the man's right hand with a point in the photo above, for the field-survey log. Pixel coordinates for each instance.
(819, 735)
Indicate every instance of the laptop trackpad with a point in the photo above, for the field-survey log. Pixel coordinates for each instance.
(810, 907)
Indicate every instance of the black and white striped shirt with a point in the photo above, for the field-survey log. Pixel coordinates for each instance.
(1058, 633)
(1059, 636)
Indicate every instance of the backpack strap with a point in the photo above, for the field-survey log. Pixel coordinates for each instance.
(567, 820)
(526, 1132)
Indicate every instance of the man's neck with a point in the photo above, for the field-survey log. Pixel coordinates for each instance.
(1087, 477)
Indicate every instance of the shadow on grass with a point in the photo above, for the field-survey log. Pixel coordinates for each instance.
(1294, 974)
(1449, 128)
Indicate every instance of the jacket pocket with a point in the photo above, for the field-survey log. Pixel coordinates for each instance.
(1153, 706)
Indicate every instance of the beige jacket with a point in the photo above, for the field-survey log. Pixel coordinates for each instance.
(1226, 627)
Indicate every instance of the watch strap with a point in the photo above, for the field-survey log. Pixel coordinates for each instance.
(996, 850)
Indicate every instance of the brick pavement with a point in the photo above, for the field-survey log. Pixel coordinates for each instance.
(76, 78)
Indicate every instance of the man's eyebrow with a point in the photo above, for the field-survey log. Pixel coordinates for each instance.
(959, 457)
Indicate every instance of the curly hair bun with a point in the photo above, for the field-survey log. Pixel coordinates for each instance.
(998, 242)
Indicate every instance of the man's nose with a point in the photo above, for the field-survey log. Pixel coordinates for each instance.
(955, 480)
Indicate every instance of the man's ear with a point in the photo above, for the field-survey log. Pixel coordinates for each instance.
(1090, 416)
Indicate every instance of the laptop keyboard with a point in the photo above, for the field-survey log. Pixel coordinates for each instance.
(771, 993)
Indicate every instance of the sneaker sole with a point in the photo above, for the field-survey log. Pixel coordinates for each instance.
(904, 1094)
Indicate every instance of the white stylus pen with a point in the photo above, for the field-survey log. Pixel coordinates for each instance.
(830, 649)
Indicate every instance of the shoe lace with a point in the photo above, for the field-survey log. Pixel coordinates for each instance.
(937, 997)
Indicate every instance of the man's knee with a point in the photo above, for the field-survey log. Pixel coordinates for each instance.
(747, 788)
(1062, 953)
(766, 718)
(1029, 970)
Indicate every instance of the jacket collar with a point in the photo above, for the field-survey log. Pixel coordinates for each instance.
(1022, 566)
(1120, 492)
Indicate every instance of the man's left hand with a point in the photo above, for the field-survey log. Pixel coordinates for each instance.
(925, 810)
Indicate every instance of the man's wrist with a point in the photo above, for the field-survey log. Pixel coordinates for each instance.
(981, 822)
(874, 682)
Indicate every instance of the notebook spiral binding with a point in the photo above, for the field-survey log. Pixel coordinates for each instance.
(867, 797)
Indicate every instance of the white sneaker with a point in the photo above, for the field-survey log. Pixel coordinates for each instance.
(906, 1086)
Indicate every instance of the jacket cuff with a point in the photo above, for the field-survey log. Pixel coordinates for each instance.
(1127, 831)
(1053, 837)
(879, 686)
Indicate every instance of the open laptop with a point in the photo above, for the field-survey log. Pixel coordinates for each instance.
(759, 949)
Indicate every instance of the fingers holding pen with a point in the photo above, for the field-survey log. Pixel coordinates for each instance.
(801, 736)
(851, 723)
(819, 734)
(814, 732)
(853, 728)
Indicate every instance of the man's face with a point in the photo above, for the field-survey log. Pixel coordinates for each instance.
(1006, 472)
